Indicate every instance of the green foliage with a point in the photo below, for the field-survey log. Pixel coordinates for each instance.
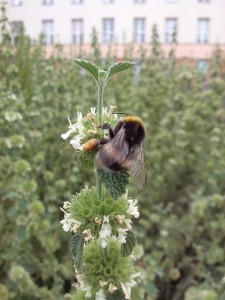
(118, 67)
(89, 66)
(76, 248)
(115, 182)
(127, 248)
(107, 265)
(101, 75)
(86, 207)
(182, 210)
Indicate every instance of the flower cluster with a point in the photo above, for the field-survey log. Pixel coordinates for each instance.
(106, 272)
(99, 220)
(86, 127)
(105, 226)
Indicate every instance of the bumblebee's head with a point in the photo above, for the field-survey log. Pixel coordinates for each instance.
(135, 130)
(133, 120)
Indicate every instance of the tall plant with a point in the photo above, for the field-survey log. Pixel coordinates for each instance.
(100, 217)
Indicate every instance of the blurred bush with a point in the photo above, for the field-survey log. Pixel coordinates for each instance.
(182, 224)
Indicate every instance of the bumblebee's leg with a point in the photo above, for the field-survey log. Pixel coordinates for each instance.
(103, 141)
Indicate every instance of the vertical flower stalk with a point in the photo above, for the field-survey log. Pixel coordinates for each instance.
(100, 218)
(99, 113)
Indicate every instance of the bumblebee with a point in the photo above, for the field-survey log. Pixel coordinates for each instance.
(123, 150)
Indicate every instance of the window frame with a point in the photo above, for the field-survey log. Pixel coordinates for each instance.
(108, 36)
(13, 2)
(203, 33)
(77, 2)
(168, 32)
(15, 30)
(45, 2)
(77, 33)
(107, 1)
(139, 31)
(47, 35)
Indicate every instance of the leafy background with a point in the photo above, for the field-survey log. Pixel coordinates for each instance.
(182, 224)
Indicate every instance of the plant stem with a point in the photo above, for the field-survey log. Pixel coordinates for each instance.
(99, 114)
(100, 101)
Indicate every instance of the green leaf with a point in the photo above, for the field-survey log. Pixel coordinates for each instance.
(76, 248)
(128, 247)
(115, 182)
(117, 295)
(119, 67)
(89, 66)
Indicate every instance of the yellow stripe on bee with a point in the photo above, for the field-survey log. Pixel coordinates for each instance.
(133, 119)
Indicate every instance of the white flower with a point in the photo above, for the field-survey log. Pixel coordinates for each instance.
(122, 235)
(66, 204)
(66, 135)
(121, 220)
(66, 226)
(126, 291)
(104, 232)
(77, 129)
(72, 128)
(102, 283)
(76, 142)
(88, 235)
(111, 110)
(100, 295)
(126, 287)
(128, 223)
(106, 228)
(80, 123)
(87, 289)
(112, 288)
(132, 209)
(79, 278)
(93, 111)
(69, 224)
(98, 220)
(105, 111)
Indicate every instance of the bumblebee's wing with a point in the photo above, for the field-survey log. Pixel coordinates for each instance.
(136, 164)
(114, 152)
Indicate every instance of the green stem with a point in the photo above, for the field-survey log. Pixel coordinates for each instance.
(100, 101)
(99, 113)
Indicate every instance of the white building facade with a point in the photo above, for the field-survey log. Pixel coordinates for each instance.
(199, 23)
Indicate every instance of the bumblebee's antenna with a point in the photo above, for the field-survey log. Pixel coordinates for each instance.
(119, 113)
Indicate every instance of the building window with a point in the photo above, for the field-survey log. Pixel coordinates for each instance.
(77, 31)
(77, 1)
(48, 30)
(47, 2)
(107, 30)
(202, 66)
(139, 1)
(203, 31)
(107, 1)
(170, 29)
(139, 30)
(16, 29)
(17, 2)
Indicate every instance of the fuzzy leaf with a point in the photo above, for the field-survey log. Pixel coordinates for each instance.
(115, 182)
(89, 66)
(117, 295)
(119, 67)
(128, 247)
(76, 248)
